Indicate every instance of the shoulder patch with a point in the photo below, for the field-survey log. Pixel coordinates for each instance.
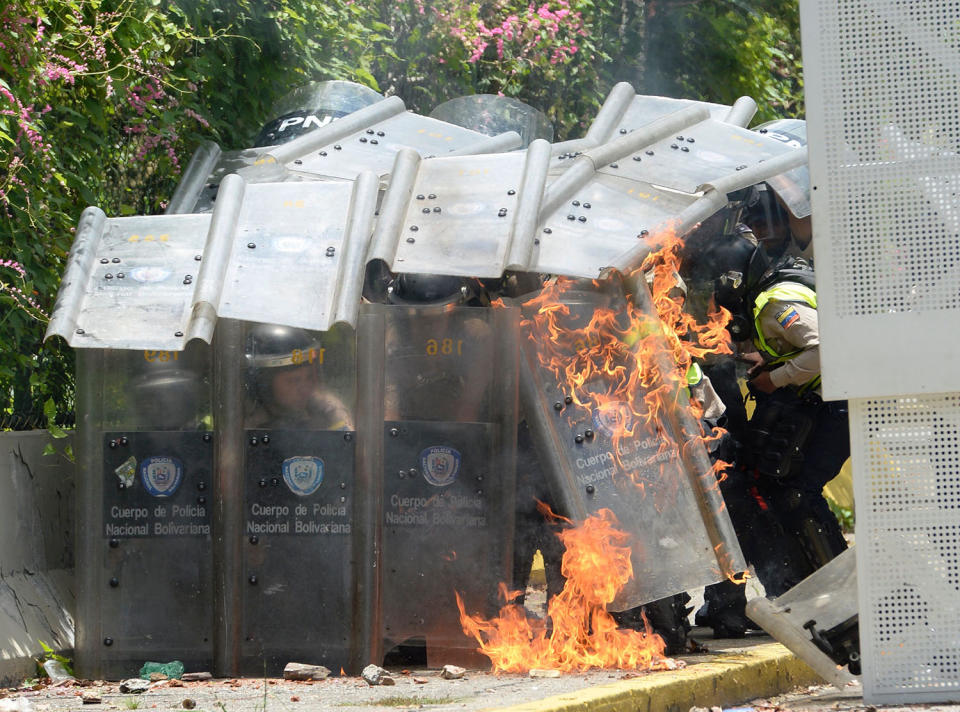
(787, 317)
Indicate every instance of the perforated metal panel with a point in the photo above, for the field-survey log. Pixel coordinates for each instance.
(883, 100)
(883, 118)
(907, 487)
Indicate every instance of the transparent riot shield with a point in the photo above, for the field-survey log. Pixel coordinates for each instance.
(818, 619)
(145, 475)
(612, 434)
(494, 115)
(448, 450)
(300, 493)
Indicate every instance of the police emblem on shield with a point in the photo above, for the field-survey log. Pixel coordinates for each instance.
(161, 476)
(613, 418)
(440, 465)
(303, 475)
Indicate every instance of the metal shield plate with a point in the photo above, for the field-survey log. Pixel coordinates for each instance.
(298, 551)
(604, 219)
(698, 155)
(374, 148)
(154, 597)
(449, 428)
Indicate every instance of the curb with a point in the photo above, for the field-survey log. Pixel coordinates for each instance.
(722, 680)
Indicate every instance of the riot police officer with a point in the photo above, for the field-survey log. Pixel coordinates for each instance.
(283, 382)
(796, 442)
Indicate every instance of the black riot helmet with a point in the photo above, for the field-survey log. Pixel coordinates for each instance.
(170, 388)
(766, 217)
(311, 106)
(272, 349)
(432, 289)
(739, 266)
(424, 289)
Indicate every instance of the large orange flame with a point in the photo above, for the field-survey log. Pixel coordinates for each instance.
(626, 364)
(583, 635)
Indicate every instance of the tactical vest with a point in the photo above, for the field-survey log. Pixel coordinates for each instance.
(783, 292)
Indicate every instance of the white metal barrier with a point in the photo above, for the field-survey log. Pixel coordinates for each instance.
(883, 115)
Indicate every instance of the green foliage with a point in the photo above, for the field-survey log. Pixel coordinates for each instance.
(50, 654)
(556, 55)
(102, 101)
(719, 50)
(844, 515)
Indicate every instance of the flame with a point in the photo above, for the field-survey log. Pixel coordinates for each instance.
(624, 364)
(582, 635)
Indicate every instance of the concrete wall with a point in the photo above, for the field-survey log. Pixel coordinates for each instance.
(37, 599)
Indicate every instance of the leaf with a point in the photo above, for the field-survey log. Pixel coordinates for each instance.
(50, 414)
(367, 78)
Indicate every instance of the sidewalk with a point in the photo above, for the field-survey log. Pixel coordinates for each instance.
(731, 672)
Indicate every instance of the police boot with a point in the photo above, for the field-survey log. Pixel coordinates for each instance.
(723, 610)
(667, 618)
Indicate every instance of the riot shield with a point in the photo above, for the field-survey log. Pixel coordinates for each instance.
(611, 434)
(300, 493)
(818, 619)
(144, 545)
(792, 187)
(494, 115)
(447, 462)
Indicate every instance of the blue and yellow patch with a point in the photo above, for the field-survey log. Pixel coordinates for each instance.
(788, 317)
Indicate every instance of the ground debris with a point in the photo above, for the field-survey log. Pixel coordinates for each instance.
(196, 676)
(376, 675)
(188, 703)
(91, 697)
(544, 673)
(452, 672)
(302, 671)
(134, 685)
